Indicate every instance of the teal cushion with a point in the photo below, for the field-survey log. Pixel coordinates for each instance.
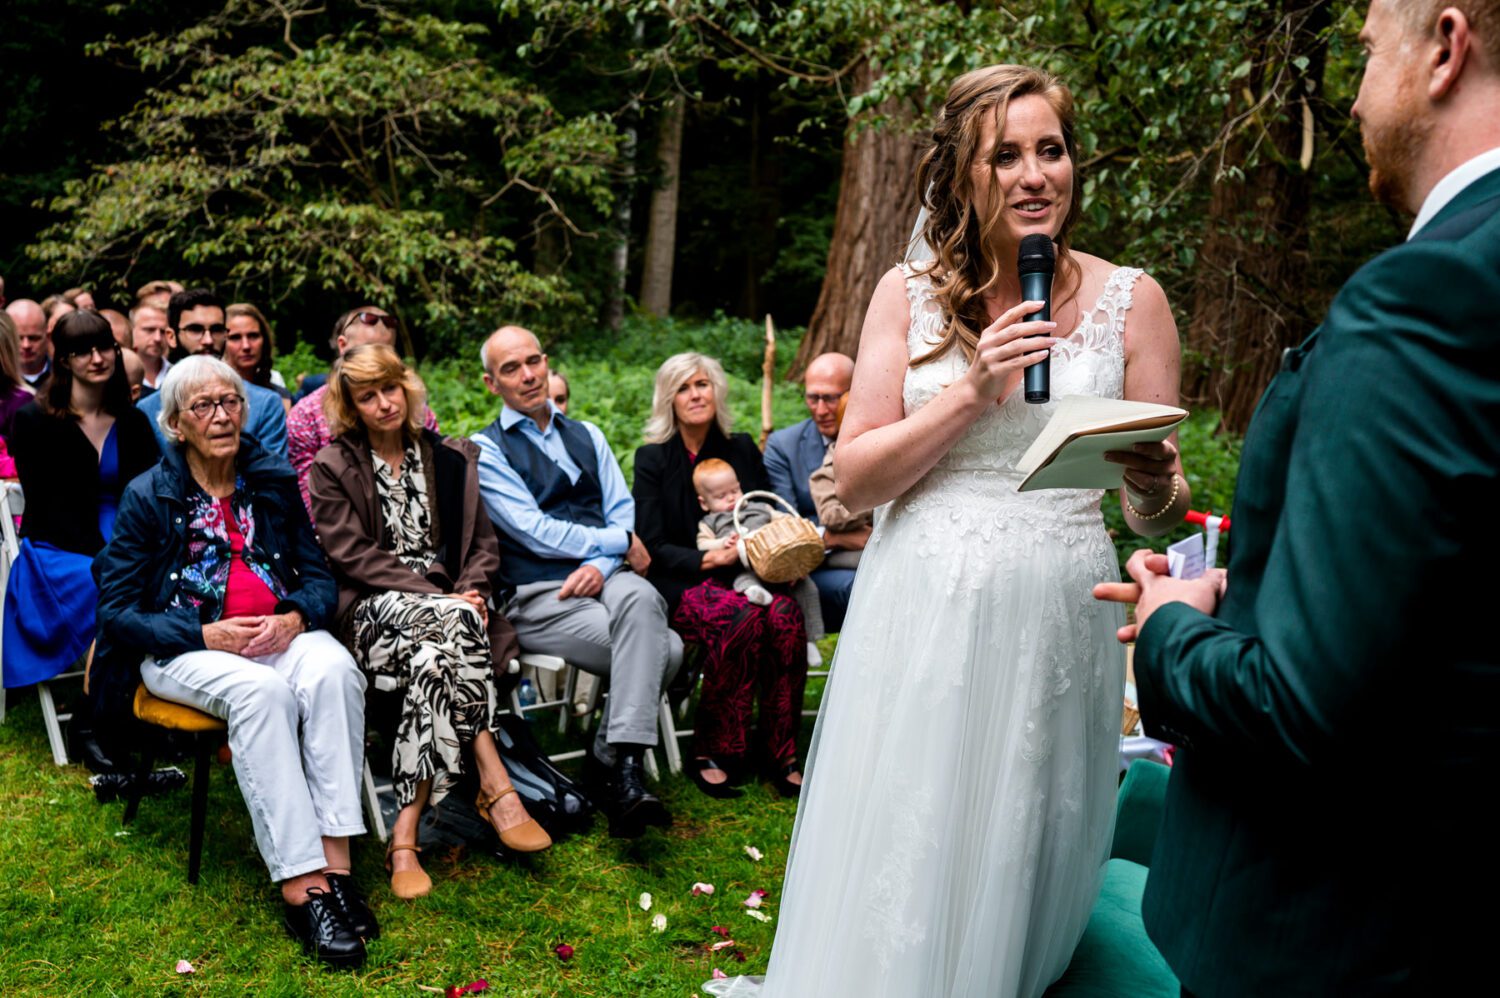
(1114, 959)
(1138, 811)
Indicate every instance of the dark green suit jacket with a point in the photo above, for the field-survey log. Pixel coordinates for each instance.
(1339, 718)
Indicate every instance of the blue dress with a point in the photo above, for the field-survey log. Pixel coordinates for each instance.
(51, 597)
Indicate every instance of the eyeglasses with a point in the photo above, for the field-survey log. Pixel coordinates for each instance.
(372, 319)
(816, 400)
(198, 329)
(89, 349)
(203, 409)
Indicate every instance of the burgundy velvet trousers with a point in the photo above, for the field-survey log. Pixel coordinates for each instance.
(750, 649)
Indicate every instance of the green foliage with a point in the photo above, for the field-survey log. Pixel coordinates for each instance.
(359, 151)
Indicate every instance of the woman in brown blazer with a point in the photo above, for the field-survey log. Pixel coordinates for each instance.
(399, 514)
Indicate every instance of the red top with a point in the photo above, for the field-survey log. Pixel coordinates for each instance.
(245, 595)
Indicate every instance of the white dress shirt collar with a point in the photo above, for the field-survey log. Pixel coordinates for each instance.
(1453, 185)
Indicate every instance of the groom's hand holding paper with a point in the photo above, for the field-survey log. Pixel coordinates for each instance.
(1072, 450)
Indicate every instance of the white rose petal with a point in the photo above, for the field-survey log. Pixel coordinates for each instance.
(754, 853)
(659, 922)
(645, 901)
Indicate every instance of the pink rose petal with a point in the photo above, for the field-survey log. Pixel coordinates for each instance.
(719, 975)
(701, 888)
(753, 901)
(183, 967)
(563, 951)
(721, 944)
(720, 930)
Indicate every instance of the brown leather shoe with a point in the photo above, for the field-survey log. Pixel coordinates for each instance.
(528, 836)
(407, 884)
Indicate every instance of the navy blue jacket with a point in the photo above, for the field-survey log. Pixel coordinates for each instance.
(137, 571)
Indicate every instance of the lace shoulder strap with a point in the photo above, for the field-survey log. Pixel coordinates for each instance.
(1117, 297)
(926, 326)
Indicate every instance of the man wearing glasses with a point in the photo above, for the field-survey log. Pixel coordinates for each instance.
(195, 322)
(793, 454)
(306, 426)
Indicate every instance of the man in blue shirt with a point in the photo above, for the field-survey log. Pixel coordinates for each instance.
(568, 548)
(194, 316)
(793, 454)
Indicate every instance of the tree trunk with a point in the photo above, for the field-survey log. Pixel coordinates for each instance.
(877, 205)
(1251, 292)
(661, 237)
(619, 256)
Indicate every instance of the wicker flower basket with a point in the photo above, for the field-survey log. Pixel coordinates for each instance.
(1130, 721)
(785, 549)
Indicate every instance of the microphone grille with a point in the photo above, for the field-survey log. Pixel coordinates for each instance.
(1037, 255)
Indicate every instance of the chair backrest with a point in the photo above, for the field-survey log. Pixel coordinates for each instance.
(12, 504)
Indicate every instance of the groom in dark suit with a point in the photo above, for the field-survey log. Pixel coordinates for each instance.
(1336, 697)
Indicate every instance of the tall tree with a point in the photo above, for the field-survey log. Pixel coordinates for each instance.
(661, 235)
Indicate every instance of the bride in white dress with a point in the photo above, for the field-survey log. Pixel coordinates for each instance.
(961, 784)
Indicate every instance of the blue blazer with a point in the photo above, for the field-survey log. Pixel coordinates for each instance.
(267, 422)
(792, 455)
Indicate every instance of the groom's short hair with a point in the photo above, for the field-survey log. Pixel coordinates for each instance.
(1484, 20)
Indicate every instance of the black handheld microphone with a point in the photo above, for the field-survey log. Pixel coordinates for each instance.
(1036, 263)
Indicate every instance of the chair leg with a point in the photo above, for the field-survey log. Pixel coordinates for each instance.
(53, 724)
(203, 749)
(138, 785)
(372, 802)
(669, 744)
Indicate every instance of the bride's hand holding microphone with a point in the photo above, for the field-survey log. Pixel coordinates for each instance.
(1007, 347)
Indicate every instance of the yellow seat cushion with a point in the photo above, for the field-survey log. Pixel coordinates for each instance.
(179, 717)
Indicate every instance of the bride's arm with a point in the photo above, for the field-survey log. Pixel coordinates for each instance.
(1153, 372)
(882, 452)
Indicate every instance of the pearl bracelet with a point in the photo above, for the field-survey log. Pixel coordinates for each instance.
(1171, 501)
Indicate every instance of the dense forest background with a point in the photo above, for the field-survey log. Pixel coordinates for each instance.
(565, 162)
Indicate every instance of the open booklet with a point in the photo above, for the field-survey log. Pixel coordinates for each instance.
(1069, 452)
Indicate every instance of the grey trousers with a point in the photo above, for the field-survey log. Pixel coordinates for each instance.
(297, 730)
(621, 634)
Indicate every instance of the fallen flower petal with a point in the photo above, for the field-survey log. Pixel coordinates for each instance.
(701, 888)
(719, 975)
(753, 901)
(759, 916)
(645, 901)
(754, 853)
(659, 923)
(183, 967)
(737, 955)
(721, 944)
(477, 986)
(720, 930)
(563, 951)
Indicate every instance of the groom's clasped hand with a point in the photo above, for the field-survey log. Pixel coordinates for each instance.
(1153, 587)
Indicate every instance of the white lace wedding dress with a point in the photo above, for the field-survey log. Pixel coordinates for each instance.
(961, 784)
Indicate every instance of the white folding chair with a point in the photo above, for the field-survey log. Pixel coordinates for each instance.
(10, 547)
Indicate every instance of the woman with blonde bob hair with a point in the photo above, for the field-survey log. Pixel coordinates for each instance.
(966, 759)
(398, 512)
(752, 648)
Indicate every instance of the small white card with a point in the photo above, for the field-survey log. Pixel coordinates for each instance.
(1185, 559)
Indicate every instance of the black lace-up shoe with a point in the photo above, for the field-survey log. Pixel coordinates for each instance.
(320, 927)
(352, 903)
(632, 808)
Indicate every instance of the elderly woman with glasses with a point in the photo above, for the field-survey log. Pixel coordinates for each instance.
(214, 572)
(307, 424)
(76, 446)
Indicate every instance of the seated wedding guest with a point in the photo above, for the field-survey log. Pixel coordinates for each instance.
(80, 298)
(119, 325)
(195, 319)
(151, 338)
(31, 338)
(76, 447)
(565, 520)
(135, 372)
(793, 454)
(832, 513)
(307, 425)
(750, 647)
(400, 517)
(214, 572)
(248, 347)
(156, 294)
(14, 391)
(54, 307)
(557, 389)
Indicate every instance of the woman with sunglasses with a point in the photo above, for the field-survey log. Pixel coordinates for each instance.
(214, 572)
(76, 446)
(307, 423)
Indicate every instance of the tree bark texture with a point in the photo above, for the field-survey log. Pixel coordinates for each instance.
(661, 235)
(871, 226)
(1251, 295)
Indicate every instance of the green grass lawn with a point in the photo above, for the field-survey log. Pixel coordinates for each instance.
(91, 908)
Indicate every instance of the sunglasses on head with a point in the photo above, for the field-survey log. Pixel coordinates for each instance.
(372, 319)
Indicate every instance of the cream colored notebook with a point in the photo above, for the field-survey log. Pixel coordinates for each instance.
(1069, 452)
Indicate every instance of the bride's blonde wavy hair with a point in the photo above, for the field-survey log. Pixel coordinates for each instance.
(957, 230)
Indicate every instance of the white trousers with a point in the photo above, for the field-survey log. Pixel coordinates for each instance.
(297, 730)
